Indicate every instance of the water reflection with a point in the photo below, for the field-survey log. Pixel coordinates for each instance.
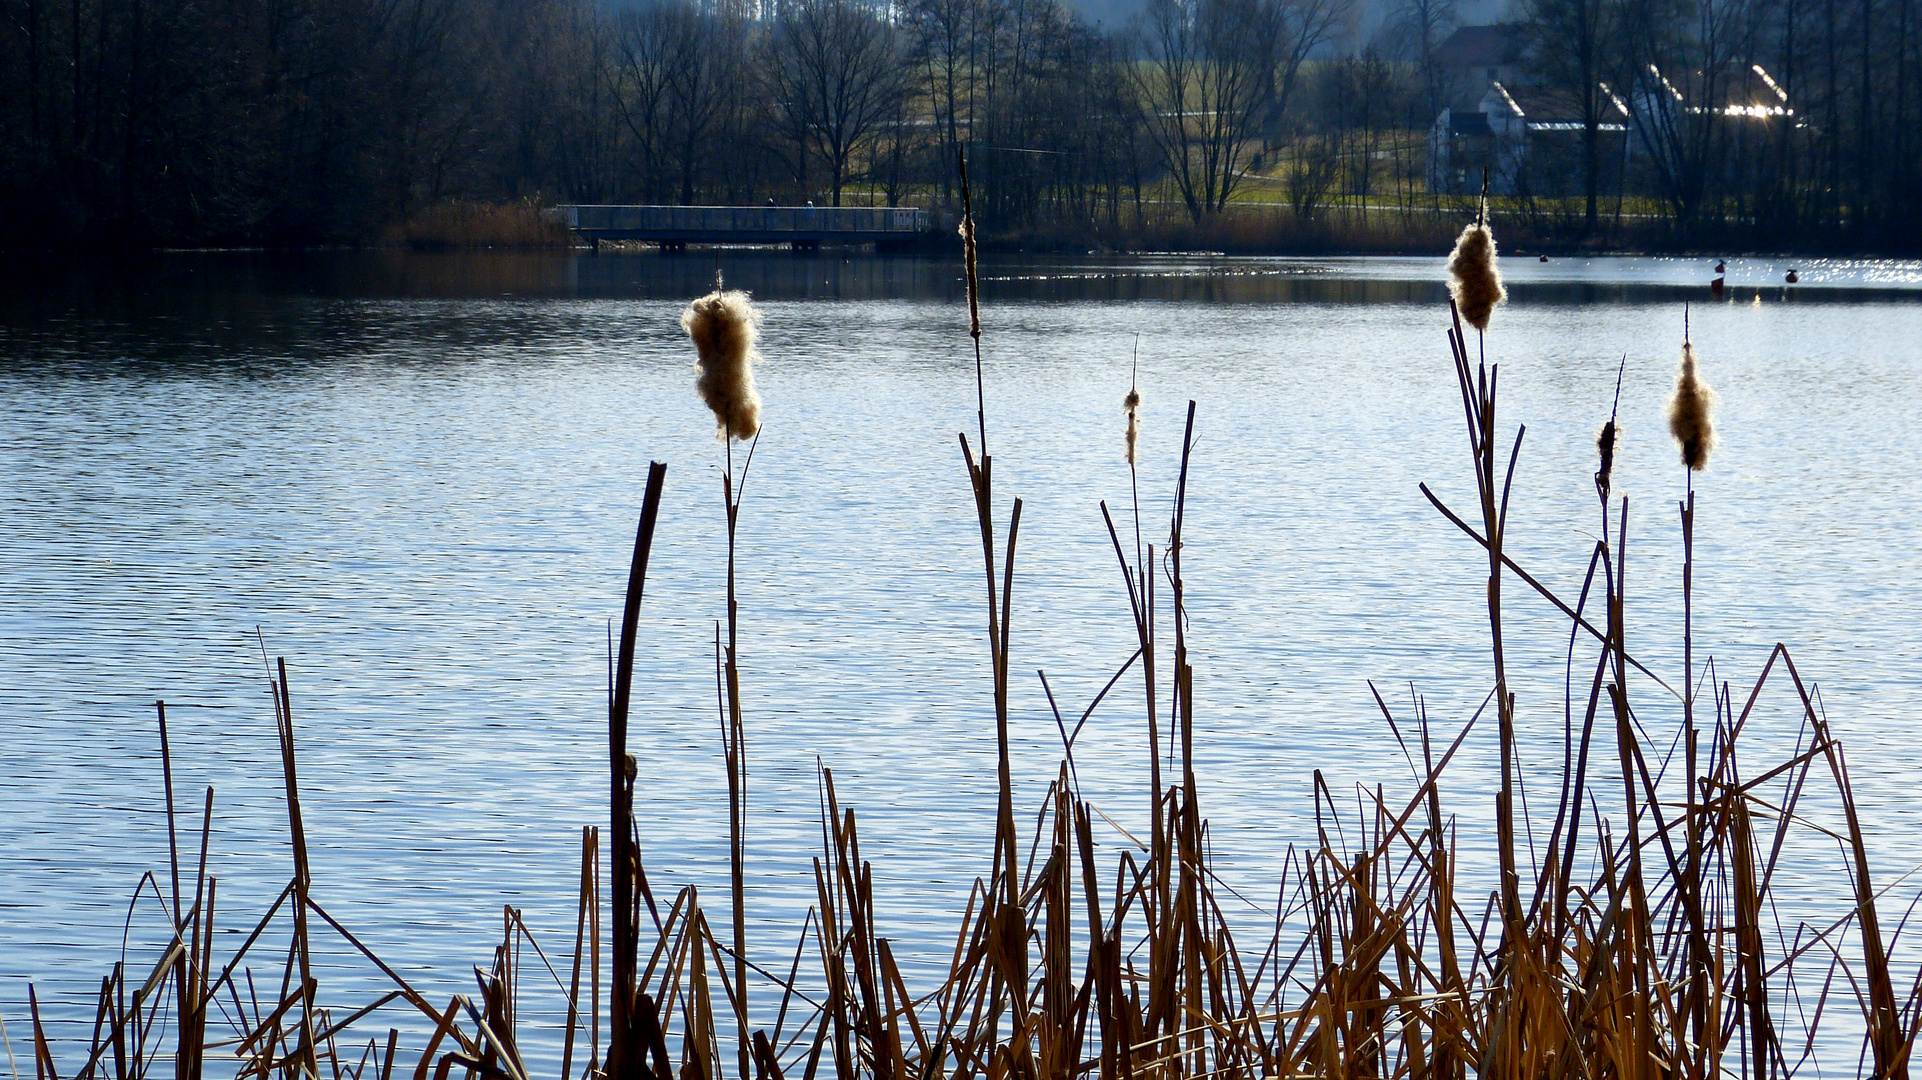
(419, 474)
(196, 288)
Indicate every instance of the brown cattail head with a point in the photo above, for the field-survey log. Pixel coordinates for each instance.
(974, 300)
(1132, 406)
(1473, 277)
(1605, 445)
(1690, 413)
(725, 327)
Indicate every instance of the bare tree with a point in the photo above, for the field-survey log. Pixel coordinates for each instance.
(946, 51)
(839, 74)
(677, 71)
(1219, 73)
(1206, 90)
(1317, 165)
(1417, 29)
(1681, 77)
(1365, 101)
(709, 71)
(1574, 47)
(642, 67)
(1306, 25)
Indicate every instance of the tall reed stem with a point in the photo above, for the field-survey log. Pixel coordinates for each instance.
(625, 1048)
(1006, 911)
(1478, 390)
(735, 740)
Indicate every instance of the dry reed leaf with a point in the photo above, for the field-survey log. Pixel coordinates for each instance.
(1690, 413)
(1132, 406)
(1474, 280)
(725, 327)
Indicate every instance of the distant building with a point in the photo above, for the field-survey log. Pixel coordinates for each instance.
(1528, 138)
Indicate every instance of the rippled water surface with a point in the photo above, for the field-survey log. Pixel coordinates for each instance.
(417, 477)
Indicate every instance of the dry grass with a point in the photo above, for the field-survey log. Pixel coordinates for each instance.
(1635, 935)
(482, 225)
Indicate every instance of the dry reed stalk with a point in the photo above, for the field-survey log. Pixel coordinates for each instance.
(1478, 391)
(734, 743)
(724, 328)
(1689, 422)
(1000, 610)
(587, 901)
(624, 1046)
(283, 699)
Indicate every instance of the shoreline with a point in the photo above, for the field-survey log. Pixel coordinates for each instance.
(1006, 244)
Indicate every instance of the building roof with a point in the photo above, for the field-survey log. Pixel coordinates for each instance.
(1733, 89)
(1544, 109)
(1482, 46)
(1539, 104)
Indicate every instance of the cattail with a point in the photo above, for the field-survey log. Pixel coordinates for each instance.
(1474, 280)
(1132, 406)
(725, 327)
(974, 302)
(1605, 445)
(1689, 413)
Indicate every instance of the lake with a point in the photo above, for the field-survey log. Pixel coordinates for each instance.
(417, 478)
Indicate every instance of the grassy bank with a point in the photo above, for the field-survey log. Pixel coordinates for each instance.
(1275, 230)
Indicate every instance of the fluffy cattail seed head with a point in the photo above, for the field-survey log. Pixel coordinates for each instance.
(1132, 406)
(1605, 446)
(724, 327)
(1473, 278)
(1690, 413)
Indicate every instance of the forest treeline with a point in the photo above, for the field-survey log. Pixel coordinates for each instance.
(181, 122)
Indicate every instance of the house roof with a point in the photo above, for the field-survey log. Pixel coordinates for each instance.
(1734, 88)
(1482, 46)
(1538, 104)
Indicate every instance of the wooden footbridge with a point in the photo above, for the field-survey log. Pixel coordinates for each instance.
(802, 226)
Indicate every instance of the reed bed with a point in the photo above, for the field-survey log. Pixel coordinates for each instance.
(1633, 930)
(452, 225)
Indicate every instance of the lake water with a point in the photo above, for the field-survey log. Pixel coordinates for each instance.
(417, 477)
